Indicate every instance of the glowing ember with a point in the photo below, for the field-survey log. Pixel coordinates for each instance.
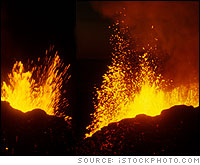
(132, 85)
(40, 87)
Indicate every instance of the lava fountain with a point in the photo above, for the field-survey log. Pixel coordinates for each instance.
(134, 85)
(37, 88)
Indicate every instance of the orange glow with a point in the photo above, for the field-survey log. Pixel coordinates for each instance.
(129, 88)
(39, 87)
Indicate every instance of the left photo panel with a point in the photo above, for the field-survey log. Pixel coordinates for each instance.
(38, 51)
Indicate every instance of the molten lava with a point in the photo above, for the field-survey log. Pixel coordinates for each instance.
(39, 87)
(133, 85)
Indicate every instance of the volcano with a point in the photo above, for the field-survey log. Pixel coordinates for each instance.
(134, 82)
(34, 133)
(174, 132)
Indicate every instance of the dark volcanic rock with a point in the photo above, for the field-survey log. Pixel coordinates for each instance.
(34, 133)
(174, 132)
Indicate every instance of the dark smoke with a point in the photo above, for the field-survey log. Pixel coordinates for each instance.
(177, 28)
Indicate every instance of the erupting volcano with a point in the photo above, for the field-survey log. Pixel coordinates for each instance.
(134, 84)
(38, 87)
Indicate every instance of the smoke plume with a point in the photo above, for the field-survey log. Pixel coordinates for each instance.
(177, 28)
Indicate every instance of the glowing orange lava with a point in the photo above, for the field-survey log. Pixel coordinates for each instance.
(132, 88)
(40, 87)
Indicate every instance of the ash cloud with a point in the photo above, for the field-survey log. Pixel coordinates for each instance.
(176, 26)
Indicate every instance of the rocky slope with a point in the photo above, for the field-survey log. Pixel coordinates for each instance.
(174, 132)
(34, 133)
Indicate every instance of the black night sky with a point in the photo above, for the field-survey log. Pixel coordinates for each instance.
(29, 27)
